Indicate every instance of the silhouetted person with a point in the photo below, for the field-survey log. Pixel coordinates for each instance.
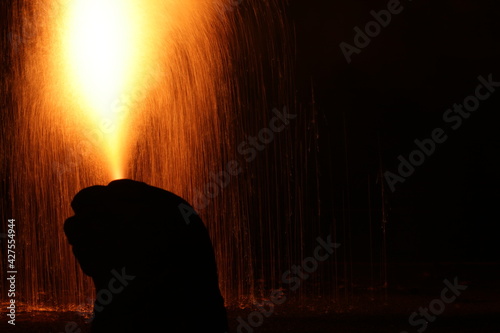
(150, 258)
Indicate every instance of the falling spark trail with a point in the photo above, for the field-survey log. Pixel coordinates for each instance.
(160, 91)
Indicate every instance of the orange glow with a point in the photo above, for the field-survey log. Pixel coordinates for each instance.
(105, 51)
(154, 90)
(101, 47)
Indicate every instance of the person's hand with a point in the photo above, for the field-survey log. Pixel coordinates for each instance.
(157, 239)
(131, 223)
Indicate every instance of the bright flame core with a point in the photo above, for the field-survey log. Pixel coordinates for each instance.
(105, 53)
(101, 48)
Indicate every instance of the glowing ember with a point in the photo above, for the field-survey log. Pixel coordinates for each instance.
(162, 92)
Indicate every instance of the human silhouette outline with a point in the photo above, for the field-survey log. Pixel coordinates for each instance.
(150, 258)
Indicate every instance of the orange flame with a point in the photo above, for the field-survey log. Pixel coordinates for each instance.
(106, 46)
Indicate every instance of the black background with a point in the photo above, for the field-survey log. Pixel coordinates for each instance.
(395, 91)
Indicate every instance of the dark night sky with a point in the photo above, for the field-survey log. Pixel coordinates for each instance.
(397, 89)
